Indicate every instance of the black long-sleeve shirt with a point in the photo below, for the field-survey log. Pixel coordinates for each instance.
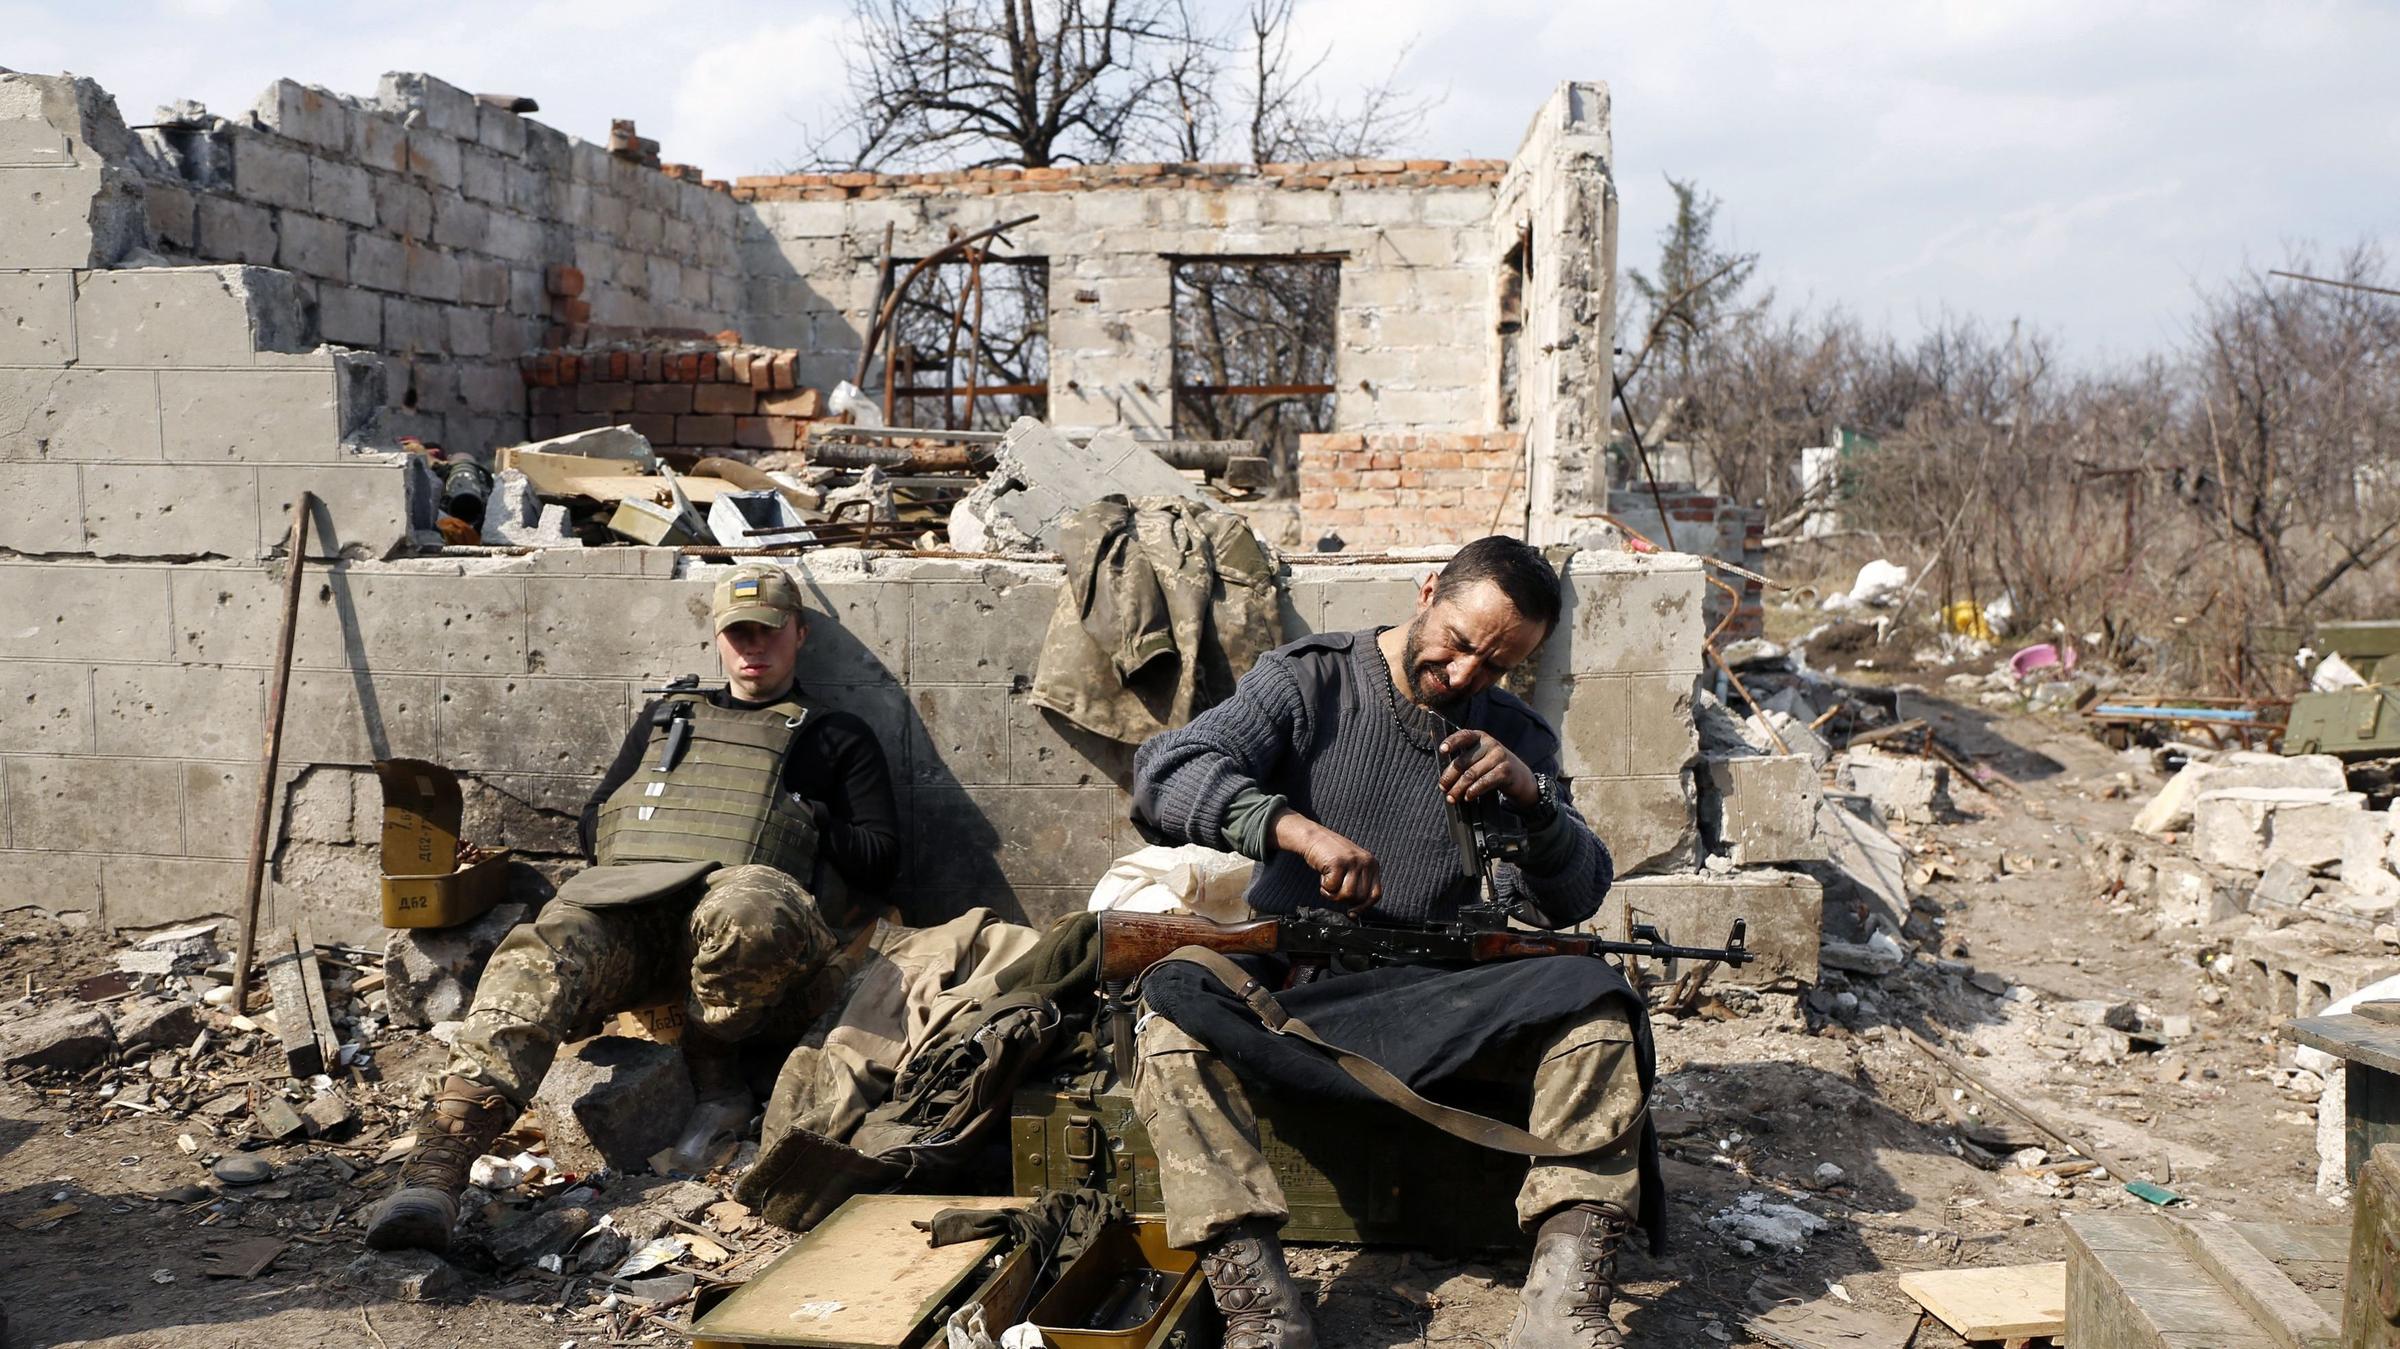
(835, 765)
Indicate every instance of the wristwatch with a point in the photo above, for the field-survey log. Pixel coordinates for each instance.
(1545, 801)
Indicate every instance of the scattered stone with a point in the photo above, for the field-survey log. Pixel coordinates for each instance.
(659, 1289)
(1902, 787)
(67, 1036)
(1751, 1222)
(276, 1117)
(685, 1199)
(149, 1023)
(621, 1098)
(1878, 955)
(243, 1168)
(2284, 884)
(328, 1115)
(2230, 826)
(404, 1276)
(1828, 1174)
(1988, 982)
(430, 972)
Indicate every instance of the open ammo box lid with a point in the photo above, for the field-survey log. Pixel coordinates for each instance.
(424, 883)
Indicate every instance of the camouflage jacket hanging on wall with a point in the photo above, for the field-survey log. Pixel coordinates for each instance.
(1167, 602)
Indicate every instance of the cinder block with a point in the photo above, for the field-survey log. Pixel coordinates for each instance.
(171, 510)
(1593, 717)
(413, 326)
(1047, 750)
(1643, 618)
(1784, 912)
(483, 176)
(59, 204)
(270, 170)
(501, 130)
(85, 804)
(1661, 735)
(637, 628)
(959, 735)
(174, 215)
(432, 273)
(617, 1098)
(249, 416)
(49, 708)
(403, 622)
(62, 611)
(313, 117)
(532, 725)
(1762, 809)
(156, 891)
(349, 317)
(996, 838)
(403, 209)
(341, 192)
(220, 801)
(40, 310)
(332, 889)
(433, 158)
(54, 882)
(447, 108)
(349, 717)
(183, 711)
(1645, 821)
(228, 229)
(41, 507)
(362, 506)
(978, 631)
(320, 248)
(188, 316)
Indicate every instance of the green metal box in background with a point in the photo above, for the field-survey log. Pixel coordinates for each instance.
(1349, 1173)
(2353, 723)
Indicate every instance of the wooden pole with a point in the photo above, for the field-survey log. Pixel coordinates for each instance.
(262, 821)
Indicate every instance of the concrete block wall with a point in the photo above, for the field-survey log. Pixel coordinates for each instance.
(159, 412)
(422, 223)
(128, 765)
(1417, 349)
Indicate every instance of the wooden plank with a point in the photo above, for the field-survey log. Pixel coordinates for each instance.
(2273, 1300)
(2351, 1037)
(1996, 1302)
(862, 1279)
(604, 480)
(305, 1028)
(320, 1012)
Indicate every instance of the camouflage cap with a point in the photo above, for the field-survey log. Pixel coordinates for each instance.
(756, 593)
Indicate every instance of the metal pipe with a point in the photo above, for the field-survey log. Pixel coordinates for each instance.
(262, 820)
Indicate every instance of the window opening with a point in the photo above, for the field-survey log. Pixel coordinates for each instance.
(1254, 350)
(970, 343)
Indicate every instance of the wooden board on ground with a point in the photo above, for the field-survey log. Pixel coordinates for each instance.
(302, 1022)
(862, 1279)
(2002, 1302)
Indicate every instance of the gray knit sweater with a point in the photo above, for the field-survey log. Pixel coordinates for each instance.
(1319, 722)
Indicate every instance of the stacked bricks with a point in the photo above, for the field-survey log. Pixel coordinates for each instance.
(1336, 174)
(687, 398)
(423, 224)
(1400, 490)
(1712, 525)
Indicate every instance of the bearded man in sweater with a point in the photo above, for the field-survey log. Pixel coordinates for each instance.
(1331, 766)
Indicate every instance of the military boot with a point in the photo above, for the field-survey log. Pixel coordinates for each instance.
(1254, 1291)
(1571, 1282)
(458, 1126)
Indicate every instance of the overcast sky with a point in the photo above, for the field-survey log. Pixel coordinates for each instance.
(2083, 166)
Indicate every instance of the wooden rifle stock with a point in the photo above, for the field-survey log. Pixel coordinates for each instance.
(1132, 942)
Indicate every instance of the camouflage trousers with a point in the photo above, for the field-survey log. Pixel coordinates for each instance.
(1587, 1090)
(750, 954)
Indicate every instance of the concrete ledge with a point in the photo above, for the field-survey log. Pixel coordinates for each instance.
(1785, 912)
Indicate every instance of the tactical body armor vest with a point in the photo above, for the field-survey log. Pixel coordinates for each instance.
(710, 789)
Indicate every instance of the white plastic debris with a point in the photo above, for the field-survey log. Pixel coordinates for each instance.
(1023, 1335)
(862, 410)
(1188, 879)
(507, 1173)
(653, 1253)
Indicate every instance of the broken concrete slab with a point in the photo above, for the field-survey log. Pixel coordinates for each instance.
(2312, 835)
(70, 198)
(601, 442)
(2366, 860)
(514, 516)
(617, 1098)
(1902, 786)
(155, 1023)
(549, 1232)
(430, 972)
(1768, 725)
(2172, 808)
(1761, 808)
(2229, 827)
(1865, 868)
(66, 1036)
(1785, 911)
(1040, 477)
(2284, 884)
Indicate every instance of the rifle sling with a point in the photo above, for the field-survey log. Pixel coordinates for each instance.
(1481, 1130)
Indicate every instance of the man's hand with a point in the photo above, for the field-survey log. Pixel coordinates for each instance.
(1347, 874)
(1474, 764)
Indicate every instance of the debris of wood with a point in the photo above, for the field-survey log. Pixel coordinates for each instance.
(302, 1021)
(2003, 1302)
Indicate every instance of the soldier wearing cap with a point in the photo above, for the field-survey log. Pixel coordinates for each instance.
(738, 840)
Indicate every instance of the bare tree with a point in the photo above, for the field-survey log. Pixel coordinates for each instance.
(981, 83)
(1289, 118)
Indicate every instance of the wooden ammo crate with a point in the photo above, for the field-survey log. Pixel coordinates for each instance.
(2147, 1281)
(1349, 1173)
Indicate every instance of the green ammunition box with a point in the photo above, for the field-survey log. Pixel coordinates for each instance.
(2352, 723)
(1355, 1173)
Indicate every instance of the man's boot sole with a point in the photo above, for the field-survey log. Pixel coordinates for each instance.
(415, 1219)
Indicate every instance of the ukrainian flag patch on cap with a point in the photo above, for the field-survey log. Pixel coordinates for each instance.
(746, 588)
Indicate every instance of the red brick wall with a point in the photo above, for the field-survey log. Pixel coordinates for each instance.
(688, 398)
(1404, 489)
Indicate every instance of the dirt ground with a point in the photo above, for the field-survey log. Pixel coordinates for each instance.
(1755, 1103)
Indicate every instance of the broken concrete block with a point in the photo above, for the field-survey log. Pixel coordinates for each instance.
(618, 1097)
(2312, 834)
(549, 1232)
(1761, 808)
(1879, 955)
(152, 1023)
(430, 972)
(2284, 884)
(2366, 863)
(1795, 734)
(2229, 827)
(70, 198)
(2172, 808)
(514, 516)
(66, 1036)
(1784, 909)
(1902, 786)
(2187, 893)
(404, 1276)
(328, 1115)
(602, 442)
(1865, 868)
(1040, 477)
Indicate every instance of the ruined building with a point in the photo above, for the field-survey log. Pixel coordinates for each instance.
(200, 322)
